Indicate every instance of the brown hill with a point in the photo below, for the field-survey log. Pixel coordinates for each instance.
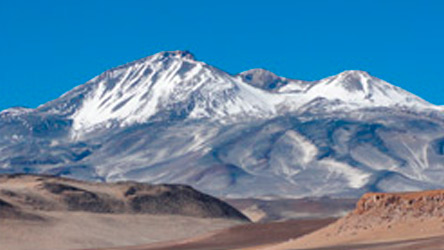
(43, 212)
(46, 193)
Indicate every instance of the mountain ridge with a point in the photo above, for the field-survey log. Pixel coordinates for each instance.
(170, 119)
(185, 81)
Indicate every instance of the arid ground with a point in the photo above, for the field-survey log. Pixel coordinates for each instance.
(43, 212)
(379, 221)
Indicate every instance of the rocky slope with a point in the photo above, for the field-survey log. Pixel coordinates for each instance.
(23, 195)
(381, 217)
(170, 118)
(376, 209)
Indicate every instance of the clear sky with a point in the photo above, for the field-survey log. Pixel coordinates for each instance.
(49, 47)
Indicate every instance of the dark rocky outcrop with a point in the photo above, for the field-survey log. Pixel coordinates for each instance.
(9, 211)
(78, 199)
(178, 199)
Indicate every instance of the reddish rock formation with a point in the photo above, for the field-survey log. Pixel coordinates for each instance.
(427, 203)
(376, 209)
(384, 220)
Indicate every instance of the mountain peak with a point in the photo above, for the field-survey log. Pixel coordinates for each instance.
(258, 72)
(355, 73)
(359, 88)
(177, 54)
(263, 78)
(353, 80)
(355, 76)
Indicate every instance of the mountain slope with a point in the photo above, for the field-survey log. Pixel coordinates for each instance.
(168, 118)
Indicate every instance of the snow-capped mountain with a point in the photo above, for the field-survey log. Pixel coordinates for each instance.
(359, 88)
(169, 118)
(168, 83)
(174, 83)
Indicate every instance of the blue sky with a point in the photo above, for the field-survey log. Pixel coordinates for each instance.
(49, 47)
